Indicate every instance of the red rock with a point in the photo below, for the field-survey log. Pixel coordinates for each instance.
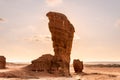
(2, 62)
(78, 65)
(43, 63)
(62, 32)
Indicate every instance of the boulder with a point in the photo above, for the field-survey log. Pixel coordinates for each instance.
(2, 62)
(78, 65)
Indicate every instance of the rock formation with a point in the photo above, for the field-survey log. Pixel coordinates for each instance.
(2, 62)
(62, 32)
(78, 65)
(43, 63)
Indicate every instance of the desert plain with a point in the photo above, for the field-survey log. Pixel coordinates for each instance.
(18, 71)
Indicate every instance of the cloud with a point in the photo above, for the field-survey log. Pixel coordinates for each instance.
(117, 24)
(2, 20)
(39, 38)
(45, 38)
(53, 3)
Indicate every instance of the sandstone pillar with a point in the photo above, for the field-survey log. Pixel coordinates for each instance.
(62, 32)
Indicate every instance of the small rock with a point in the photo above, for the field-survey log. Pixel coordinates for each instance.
(78, 65)
(2, 62)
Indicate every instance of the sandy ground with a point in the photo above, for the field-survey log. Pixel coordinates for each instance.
(100, 73)
(16, 72)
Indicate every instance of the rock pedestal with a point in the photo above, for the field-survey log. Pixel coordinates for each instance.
(78, 66)
(62, 32)
(2, 62)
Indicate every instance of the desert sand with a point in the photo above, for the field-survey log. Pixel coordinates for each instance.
(15, 71)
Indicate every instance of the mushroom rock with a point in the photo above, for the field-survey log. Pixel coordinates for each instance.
(2, 62)
(78, 65)
(62, 32)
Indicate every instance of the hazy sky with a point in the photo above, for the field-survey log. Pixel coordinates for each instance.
(24, 33)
